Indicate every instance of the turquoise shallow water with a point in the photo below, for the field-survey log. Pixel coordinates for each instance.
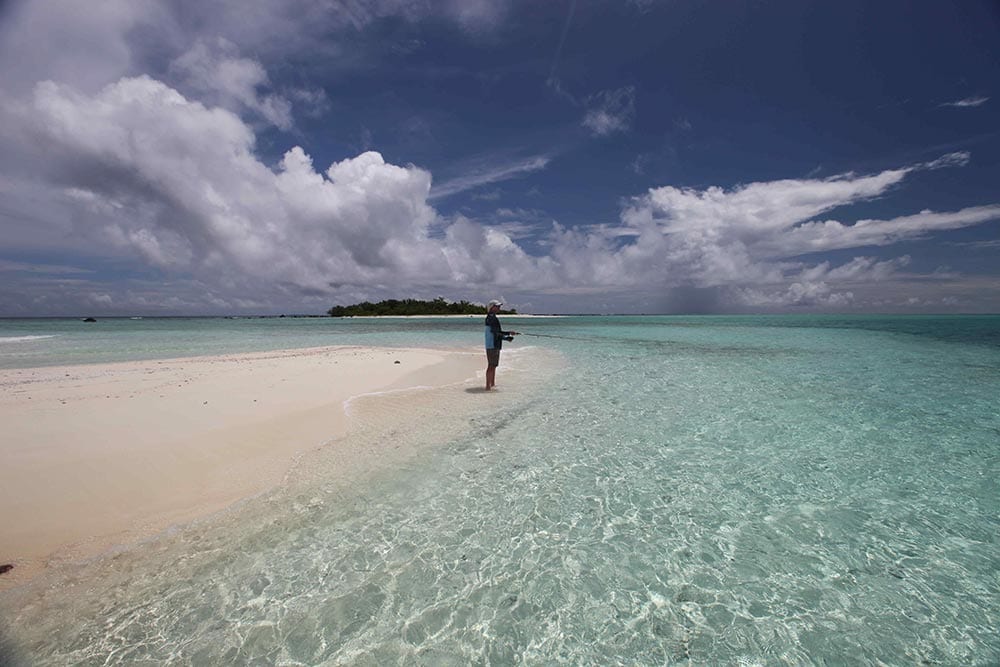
(45, 342)
(643, 490)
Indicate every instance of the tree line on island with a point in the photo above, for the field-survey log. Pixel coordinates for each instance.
(411, 307)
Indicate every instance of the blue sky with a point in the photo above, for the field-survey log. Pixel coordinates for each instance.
(609, 157)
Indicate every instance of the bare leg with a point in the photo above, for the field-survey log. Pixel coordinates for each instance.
(491, 374)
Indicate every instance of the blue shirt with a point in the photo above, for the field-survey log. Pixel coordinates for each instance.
(494, 335)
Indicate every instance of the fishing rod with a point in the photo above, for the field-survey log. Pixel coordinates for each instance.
(591, 339)
(524, 333)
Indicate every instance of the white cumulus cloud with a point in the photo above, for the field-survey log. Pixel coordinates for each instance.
(216, 71)
(178, 185)
(128, 131)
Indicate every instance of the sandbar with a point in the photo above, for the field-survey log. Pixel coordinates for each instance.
(96, 456)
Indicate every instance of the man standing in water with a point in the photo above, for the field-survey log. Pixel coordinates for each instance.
(495, 337)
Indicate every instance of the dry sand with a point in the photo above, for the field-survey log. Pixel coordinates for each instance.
(103, 455)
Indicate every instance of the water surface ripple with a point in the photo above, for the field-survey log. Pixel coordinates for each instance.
(693, 492)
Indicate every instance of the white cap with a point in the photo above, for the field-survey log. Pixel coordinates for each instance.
(495, 302)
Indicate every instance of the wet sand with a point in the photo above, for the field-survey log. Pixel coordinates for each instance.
(102, 455)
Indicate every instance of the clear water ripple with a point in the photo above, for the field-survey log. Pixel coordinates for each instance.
(725, 494)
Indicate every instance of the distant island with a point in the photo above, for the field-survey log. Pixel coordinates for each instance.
(411, 307)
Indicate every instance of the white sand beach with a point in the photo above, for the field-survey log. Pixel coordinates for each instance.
(102, 455)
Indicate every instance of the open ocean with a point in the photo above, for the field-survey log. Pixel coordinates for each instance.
(780, 490)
